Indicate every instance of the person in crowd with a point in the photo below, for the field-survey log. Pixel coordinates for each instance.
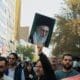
(76, 64)
(12, 64)
(67, 70)
(43, 68)
(24, 71)
(15, 67)
(3, 65)
(19, 72)
(29, 71)
(59, 63)
(53, 60)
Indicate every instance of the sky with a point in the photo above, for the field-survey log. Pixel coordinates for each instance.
(46, 7)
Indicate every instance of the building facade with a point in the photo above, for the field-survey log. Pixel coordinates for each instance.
(23, 33)
(7, 23)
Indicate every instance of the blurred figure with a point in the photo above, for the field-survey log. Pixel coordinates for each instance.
(67, 70)
(76, 64)
(43, 67)
(3, 65)
(24, 71)
(39, 70)
(12, 64)
(19, 72)
(28, 71)
(59, 63)
(53, 61)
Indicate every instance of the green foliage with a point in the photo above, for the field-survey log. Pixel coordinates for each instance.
(26, 51)
(68, 29)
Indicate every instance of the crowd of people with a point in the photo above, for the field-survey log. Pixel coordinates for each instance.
(52, 68)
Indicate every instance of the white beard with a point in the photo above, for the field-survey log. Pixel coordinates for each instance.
(38, 39)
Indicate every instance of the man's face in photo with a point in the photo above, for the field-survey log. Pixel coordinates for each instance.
(43, 30)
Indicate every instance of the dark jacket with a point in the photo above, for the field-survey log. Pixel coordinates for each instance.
(29, 75)
(18, 74)
(48, 71)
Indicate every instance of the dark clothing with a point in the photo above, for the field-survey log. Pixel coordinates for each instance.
(29, 75)
(18, 71)
(77, 69)
(48, 71)
(60, 74)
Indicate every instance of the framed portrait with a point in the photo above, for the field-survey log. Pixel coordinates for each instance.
(42, 29)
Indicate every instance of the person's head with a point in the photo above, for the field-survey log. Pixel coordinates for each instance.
(43, 30)
(12, 59)
(28, 66)
(39, 69)
(3, 65)
(67, 61)
(53, 61)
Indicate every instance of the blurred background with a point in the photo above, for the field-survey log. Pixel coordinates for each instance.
(16, 18)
